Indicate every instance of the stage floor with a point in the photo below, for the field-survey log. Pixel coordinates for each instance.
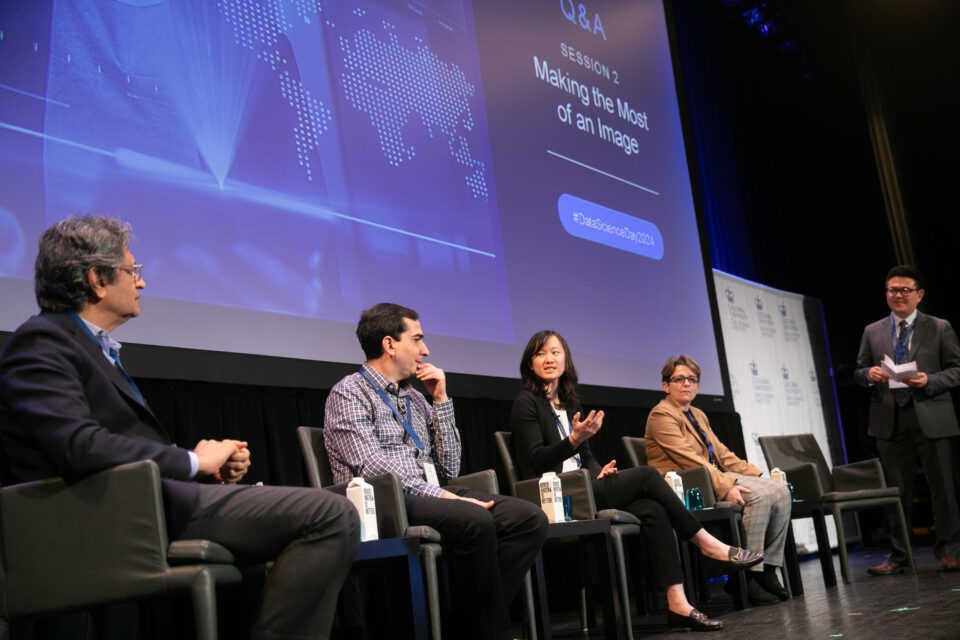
(924, 606)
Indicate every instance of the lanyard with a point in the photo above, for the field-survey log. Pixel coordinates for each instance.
(563, 432)
(113, 354)
(407, 426)
(900, 345)
(703, 436)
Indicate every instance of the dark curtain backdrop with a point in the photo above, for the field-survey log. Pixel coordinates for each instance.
(784, 165)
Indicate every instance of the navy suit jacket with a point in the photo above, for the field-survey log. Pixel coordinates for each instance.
(934, 346)
(537, 439)
(66, 411)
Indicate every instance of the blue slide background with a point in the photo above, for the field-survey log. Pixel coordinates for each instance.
(311, 158)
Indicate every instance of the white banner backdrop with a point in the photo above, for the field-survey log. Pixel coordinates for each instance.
(772, 374)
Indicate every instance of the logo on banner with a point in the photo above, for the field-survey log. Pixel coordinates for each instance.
(754, 369)
(813, 375)
(783, 310)
(729, 294)
(785, 372)
(759, 303)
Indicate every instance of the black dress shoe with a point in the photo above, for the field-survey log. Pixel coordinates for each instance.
(756, 594)
(696, 621)
(769, 581)
(738, 558)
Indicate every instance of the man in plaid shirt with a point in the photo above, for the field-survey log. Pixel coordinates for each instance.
(376, 423)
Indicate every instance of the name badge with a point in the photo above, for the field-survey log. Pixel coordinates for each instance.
(430, 473)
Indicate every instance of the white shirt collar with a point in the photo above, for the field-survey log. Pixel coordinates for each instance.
(910, 319)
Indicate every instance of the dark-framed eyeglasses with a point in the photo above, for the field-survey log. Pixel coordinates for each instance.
(903, 291)
(691, 380)
(136, 270)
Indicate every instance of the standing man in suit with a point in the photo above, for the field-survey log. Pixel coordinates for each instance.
(917, 420)
(68, 408)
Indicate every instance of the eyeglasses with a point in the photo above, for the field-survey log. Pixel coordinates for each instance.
(691, 380)
(136, 270)
(903, 291)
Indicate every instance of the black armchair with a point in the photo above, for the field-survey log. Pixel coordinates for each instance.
(848, 487)
(577, 485)
(392, 522)
(98, 541)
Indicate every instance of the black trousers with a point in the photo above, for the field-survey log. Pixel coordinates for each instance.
(643, 492)
(490, 550)
(310, 534)
(899, 457)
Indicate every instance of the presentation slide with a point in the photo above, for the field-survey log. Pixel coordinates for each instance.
(500, 166)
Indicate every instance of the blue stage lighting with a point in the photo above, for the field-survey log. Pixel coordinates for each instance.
(767, 29)
(788, 47)
(752, 16)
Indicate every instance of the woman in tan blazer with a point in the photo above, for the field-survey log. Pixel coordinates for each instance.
(679, 437)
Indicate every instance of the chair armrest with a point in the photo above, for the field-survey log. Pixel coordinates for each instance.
(198, 551)
(866, 474)
(422, 531)
(616, 516)
(481, 481)
(109, 525)
(806, 482)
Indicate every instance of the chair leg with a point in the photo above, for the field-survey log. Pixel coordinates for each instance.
(429, 557)
(902, 521)
(823, 548)
(529, 613)
(617, 537)
(204, 594)
(584, 616)
(841, 543)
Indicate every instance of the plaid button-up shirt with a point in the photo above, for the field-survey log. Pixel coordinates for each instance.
(364, 438)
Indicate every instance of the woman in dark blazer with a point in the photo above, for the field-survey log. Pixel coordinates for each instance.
(551, 435)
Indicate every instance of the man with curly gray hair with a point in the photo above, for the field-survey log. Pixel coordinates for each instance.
(68, 408)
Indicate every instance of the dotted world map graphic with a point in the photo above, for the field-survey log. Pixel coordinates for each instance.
(382, 78)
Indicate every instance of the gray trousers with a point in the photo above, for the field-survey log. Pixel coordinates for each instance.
(310, 534)
(766, 516)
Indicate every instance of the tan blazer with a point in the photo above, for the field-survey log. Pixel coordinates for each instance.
(674, 444)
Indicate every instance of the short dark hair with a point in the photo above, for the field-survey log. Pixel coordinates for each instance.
(672, 363)
(905, 271)
(379, 321)
(530, 381)
(67, 252)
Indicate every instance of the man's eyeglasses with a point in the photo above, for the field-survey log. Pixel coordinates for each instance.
(903, 291)
(136, 270)
(691, 380)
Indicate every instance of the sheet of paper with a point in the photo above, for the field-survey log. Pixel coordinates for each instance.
(898, 372)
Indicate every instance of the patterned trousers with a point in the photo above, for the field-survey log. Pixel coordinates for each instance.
(766, 516)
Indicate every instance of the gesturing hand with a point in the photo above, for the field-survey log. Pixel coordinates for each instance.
(581, 430)
(609, 469)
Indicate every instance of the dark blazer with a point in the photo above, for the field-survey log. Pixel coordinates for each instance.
(537, 440)
(66, 411)
(936, 350)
